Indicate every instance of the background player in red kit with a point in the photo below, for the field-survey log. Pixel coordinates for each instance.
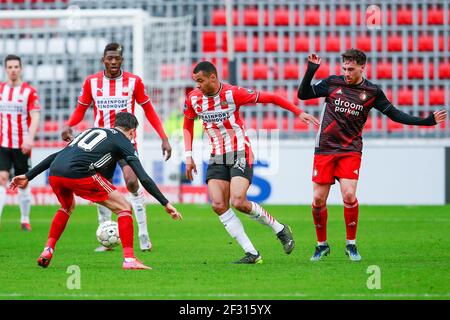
(230, 169)
(338, 149)
(76, 170)
(112, 91)
(19, 121)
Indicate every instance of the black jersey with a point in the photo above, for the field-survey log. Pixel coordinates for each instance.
(345, 112)
(94, 151)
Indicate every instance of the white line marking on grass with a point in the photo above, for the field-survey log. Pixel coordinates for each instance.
(228, 295)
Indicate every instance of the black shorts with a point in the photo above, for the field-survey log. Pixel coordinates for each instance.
(14, 158)
(224, 167)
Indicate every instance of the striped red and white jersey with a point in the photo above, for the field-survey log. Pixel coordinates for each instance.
(220, 117)
(110, 96)
(16, 104)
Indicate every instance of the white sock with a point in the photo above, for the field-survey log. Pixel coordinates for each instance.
(351, 241)
(262, 216)
(2, 199)
(322, 243)
(137, 201)
(104, 214)
(25, 205)
(236, 230)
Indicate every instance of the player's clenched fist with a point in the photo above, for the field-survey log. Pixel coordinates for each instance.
(190, 165)
(314, 58)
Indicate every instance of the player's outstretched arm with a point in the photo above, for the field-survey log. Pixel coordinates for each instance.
(151, 187)
(268, 97)
(401, 117)
(36, 170)
(305, 90)
(154, 120)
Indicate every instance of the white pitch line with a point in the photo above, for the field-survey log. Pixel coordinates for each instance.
(230, 295)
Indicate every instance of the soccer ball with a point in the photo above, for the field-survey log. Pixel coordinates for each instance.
(108, 234)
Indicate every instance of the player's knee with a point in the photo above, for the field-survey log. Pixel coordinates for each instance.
(319, 201)
(349, 196)
(132, 185)
(219, 207)
(239, 203)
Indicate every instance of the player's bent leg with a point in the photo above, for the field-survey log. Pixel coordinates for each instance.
(117, 203)
(320, 217)
(57, 227)
(351, 212)
(219, 193)
(137, 200)
(239, 187)
(4, 176)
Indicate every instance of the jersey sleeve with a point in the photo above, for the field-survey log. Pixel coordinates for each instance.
(139, 92)
(33, 102)
(244, 96)
(381, 102)
(85, 96)
(189, 111)
(321, 88)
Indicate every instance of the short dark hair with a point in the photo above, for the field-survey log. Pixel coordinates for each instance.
(11, 57)
(354, 55)
(113, 46)
(207, 68)
(126, 120)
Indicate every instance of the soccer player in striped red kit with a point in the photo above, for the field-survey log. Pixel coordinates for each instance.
(338, 150)
(112, 91)
(230, 168)
(19, 120)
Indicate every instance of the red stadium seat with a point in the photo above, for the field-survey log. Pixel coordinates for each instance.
(219, 17)
(291, 71)
(394, 126)
(300, 125)
(405, 97)
(209, 41)
(323, 72)
(270, 123)
(51, 126)
(301, 44)
(426, 43)
(384, 70)
(333, 44)
(444, 70)
(435, 16)
(312, 17)
(436, 96)
(260, 71)
(417, 70)
(271, 44)
(282, 17)
(312, 102)
(405, 16)
(343, 17)
(395, 43)
(251, 17)
(364, 43)
(240, 43)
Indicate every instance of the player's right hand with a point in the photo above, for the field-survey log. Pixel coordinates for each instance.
(314, 58)
(190, 165)
(173, 212)
(67, 134)
(18, 182)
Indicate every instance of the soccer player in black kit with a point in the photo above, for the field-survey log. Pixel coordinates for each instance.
(83, 168)
(338, 148)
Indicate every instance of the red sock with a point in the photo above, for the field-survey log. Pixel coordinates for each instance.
(320, 216)
(351, 219)
(57, 227)
(126, 231)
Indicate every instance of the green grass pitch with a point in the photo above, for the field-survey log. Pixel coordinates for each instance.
(192, 259)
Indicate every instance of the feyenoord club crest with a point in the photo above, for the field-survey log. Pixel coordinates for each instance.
(363, 96)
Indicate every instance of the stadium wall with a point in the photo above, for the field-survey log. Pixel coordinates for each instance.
(403, 172)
